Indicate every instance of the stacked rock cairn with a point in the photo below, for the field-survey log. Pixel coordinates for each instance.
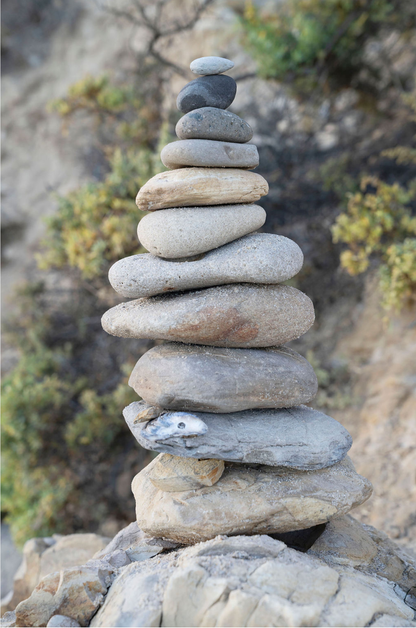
(222, 397)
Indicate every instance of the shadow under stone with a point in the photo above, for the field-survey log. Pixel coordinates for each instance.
(300, 540)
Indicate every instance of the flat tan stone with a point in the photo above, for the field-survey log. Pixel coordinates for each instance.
(188, 231)
(172, 473)
(187, 187)
(239, 315)
(249, 500)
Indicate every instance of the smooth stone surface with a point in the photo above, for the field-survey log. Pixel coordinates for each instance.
(209, 154)
(256, 258)
(299, 438)
(188, 231)
(239, 315)
(211, 379)
(187, 187)
(210, 123)
(249, 500)
(61, 621)
(207, 91)
(211, 65)
(173, 474)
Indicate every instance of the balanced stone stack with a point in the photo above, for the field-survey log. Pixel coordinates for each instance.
(222, 397)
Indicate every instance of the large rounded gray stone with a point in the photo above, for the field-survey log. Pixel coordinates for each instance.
(211, 65)
(207, 91)
(240, 315)
(210, 123)
(188, 231)
(212, 379)
(209, 154)
(255, 258)
(187, 187)
(249, 500)
(299, 438)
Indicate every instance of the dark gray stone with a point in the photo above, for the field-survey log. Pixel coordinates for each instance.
(210, 123)
(299, 438)
(207, 91)
(210, 379)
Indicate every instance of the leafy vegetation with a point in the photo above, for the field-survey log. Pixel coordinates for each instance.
(308, 39)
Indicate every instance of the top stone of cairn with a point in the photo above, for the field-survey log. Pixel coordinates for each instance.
(205, 66)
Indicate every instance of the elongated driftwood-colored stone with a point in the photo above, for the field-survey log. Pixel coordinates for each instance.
(173, 474)
(188, 187)
(249, 500)
(211, 379)
(240, 315)
(188, 231)
(299, 438)
(209, 154)
(255, 258)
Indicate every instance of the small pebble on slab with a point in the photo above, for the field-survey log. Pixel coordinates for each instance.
(205, 66)
(174, 473)
(217, 90)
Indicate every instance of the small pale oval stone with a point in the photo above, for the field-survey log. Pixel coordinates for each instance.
(212, 379)
(188, 231)
(207, 91)
(186, 187)
(299, 438)
(255, 258)
(211, 123)
(249, 500)
(211, 65)
(172, 473)
(209, 154)
(240, 315)
(58, 621)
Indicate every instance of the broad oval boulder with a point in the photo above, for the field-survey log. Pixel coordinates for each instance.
(209, 154)
(256, 258)
(211, 379)
(188, 231)
(210, 123)
(249, 500)
(239, 315)
(187, 187)
(299, 438)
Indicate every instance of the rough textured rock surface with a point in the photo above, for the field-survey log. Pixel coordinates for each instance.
(249, 500)
(207, 91)
(187, 187)
(211, 379)
(209, 123)
(300, 438)
(211, 65)
(209, 154)
(255, 258)
(240, 315)
(172, 473)
(187, 231)
(42, 556)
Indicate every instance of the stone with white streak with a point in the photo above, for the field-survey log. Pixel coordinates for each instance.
(189, 231)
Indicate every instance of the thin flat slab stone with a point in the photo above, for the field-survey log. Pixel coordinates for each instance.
(209, 154)
(249, 500)
(188, 231)
(173, 474)
(211, 65)
(299, 438)
(239, 315)
(210, 123)
(211, 379)
(188, 187)
(256, 258)
(207, 91)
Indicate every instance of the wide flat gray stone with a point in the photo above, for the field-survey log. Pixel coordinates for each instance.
(210, 123)
(189, 187)
(188, 231)
(255, 258)
(207, 91)
(239, 315)
(211, 65)
(299, 438)
(212, 379)
(209, 154)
